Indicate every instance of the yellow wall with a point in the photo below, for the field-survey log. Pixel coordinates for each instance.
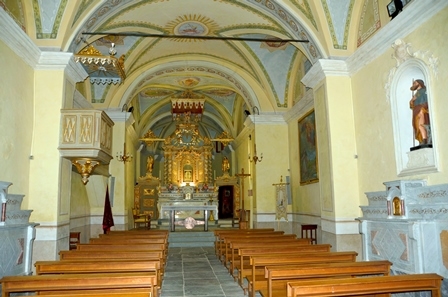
(273, 139)
(373, 117)
(16, 120)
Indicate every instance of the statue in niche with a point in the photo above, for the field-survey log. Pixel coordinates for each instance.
(150, 164)
(420, 112)
(225, 165)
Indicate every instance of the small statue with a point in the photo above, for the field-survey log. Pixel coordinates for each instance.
(225, 165)
(150, 164)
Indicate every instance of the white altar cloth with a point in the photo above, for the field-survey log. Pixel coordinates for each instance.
(179, 207)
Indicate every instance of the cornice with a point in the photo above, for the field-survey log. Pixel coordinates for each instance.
(300, 108)
(17, 40)
(21, 44)
(413, 15)
(322, 69)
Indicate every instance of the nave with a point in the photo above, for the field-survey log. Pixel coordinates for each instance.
(196, 271)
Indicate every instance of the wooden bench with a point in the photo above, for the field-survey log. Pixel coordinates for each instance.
(121, 247)
(95, 293)
(126, 240)
(219, 236)
(234, 245)
(224, 244)
(78, 282)
(219, 233)
(100, 266)
(89, 255)
(275, 279)
(367, 285)
(237, 259)
(135, 235)
(259, 262)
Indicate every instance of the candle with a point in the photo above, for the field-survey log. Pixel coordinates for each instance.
(214, 174)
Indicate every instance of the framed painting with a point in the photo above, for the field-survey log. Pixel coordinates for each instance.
(308, 149)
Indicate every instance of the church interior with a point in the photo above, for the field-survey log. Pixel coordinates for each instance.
(244, 113)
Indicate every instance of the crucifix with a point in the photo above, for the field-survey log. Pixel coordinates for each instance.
(243, 217)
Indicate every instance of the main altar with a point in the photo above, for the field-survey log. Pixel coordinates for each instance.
(186, 186)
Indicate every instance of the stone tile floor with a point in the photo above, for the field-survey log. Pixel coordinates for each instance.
(196, 271)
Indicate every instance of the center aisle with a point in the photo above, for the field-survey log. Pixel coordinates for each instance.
(196, 271)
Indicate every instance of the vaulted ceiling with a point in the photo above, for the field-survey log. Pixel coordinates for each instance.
(231, 75)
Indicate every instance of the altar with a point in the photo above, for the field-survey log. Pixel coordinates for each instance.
(188, 201)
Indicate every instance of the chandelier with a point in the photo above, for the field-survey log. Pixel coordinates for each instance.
(100, 68)
(124, 156)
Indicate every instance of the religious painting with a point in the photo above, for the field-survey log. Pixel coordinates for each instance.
(308, 149)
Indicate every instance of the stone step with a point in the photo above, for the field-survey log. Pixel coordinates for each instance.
(187, 238)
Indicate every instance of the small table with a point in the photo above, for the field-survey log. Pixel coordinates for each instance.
(173, 208)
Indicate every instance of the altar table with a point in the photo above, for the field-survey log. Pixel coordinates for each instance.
(173, 208)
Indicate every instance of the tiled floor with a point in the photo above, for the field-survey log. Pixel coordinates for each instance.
(196, 271)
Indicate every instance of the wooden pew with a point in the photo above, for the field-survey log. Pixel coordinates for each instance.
(276, 277)
(79, 282)
(226, 239)
(95, 293)
(134, 235)
(367, 285)
(244, 254)
(232, 245)
(100, 266)
(220, 234)
(258, 262)
(122, 247)
(126, 240)
(140, 231)
(270, 247)
(89, 255)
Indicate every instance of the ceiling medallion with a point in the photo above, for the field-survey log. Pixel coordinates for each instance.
(192, 25)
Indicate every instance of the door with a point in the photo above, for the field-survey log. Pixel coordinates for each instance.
(225, 202)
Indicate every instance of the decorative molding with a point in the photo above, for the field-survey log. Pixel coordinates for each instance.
(403, 52)
(17, 40)
(322, 69)
(399, 27)
(340, 226)
(304, 105)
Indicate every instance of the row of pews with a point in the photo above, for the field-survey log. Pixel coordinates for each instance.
(275, 264)
(120, 263)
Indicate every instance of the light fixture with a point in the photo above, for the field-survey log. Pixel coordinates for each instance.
(100, 68)
(124, 156)
(255, 158)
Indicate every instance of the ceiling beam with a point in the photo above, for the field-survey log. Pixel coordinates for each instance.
(138, 34)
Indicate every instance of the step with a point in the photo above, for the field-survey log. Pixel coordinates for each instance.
(188, 238)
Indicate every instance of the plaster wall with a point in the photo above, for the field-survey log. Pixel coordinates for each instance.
(305, 198)
(16, 121)
(372, 110)
(275, 164)
(341, 132)
(46, 162)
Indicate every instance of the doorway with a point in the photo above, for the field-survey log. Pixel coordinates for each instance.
(225, 202)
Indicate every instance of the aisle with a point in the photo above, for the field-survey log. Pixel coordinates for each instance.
(195, 271)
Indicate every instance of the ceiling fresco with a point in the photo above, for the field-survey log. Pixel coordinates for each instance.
(231, 75)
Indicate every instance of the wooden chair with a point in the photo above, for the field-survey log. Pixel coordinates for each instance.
(74, 240)
(310, 231)
(139, 219)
